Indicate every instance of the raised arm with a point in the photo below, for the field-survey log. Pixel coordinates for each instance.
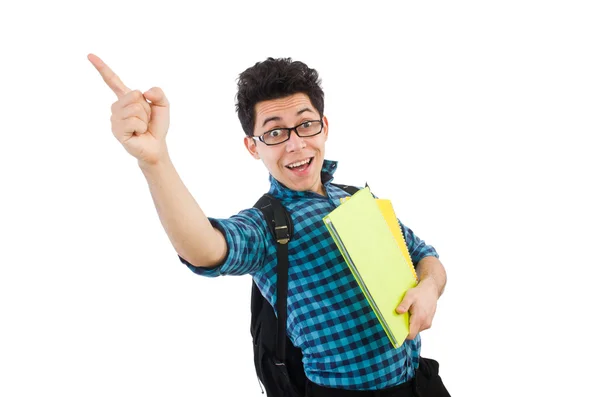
(140, 122)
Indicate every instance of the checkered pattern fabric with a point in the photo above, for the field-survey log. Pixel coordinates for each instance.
(329, 319)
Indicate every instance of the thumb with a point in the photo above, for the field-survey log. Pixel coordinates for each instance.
(405, 304)
(157, 97)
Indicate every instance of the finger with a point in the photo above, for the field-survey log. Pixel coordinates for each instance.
(109, 77)
(415, 325)
(136, 96)
(157, 97)
(426, 324)
(146, 107)
(131, 97)
(136, 109)
(406, 303)
(133, 125)
(118, 120)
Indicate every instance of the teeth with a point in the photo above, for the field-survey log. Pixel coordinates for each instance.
(299, 163)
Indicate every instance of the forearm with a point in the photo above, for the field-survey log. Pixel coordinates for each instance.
(189, 230)
(431, 271)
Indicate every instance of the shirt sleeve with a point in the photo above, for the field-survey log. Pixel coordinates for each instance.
(417, 248)
(245, 234)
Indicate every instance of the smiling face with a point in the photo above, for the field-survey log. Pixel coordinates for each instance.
(286, 161)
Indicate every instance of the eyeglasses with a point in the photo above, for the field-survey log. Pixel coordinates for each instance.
(280, 135)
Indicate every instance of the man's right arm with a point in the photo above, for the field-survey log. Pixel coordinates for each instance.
(140, 122)
(191, 233)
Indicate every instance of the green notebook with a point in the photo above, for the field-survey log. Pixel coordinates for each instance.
(375, 258)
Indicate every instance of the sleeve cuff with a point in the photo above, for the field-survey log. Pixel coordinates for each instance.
(213, 271)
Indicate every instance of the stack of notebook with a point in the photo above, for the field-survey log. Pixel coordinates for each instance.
(368, 235)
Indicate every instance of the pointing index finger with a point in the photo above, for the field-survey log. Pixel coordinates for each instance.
(110, 78)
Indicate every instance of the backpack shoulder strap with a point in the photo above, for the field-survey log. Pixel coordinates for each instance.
(282, 230)
(277, 217)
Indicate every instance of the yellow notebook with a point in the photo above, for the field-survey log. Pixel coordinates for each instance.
(373, 252)
(385, 206)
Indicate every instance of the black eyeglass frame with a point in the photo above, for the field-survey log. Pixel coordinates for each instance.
(289, 132)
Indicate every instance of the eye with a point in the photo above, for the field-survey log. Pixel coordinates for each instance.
(274, 133)
(306, 124)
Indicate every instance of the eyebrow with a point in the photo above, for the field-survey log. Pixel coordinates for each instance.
(277, 118)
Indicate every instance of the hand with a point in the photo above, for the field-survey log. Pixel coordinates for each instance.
(421, 302)
(139, 125)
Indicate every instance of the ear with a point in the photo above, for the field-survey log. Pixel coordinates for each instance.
(251, 146)
(325, 127)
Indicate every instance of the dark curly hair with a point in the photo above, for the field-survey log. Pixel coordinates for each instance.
(273, 79)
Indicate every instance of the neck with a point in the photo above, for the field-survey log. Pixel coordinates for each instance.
(321, 189)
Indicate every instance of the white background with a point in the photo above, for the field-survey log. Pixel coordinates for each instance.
(478, 120)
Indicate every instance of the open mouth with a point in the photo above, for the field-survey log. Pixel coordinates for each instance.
(300, 166)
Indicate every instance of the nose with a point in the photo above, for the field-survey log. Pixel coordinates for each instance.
(295, 142)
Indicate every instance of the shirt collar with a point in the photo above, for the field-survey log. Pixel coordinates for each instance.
(282, 192)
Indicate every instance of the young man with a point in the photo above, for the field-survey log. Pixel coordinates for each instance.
(280, 106)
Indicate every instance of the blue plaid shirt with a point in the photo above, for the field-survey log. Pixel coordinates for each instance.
(329, 319)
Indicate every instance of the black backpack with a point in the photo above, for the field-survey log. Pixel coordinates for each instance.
(277, 361)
